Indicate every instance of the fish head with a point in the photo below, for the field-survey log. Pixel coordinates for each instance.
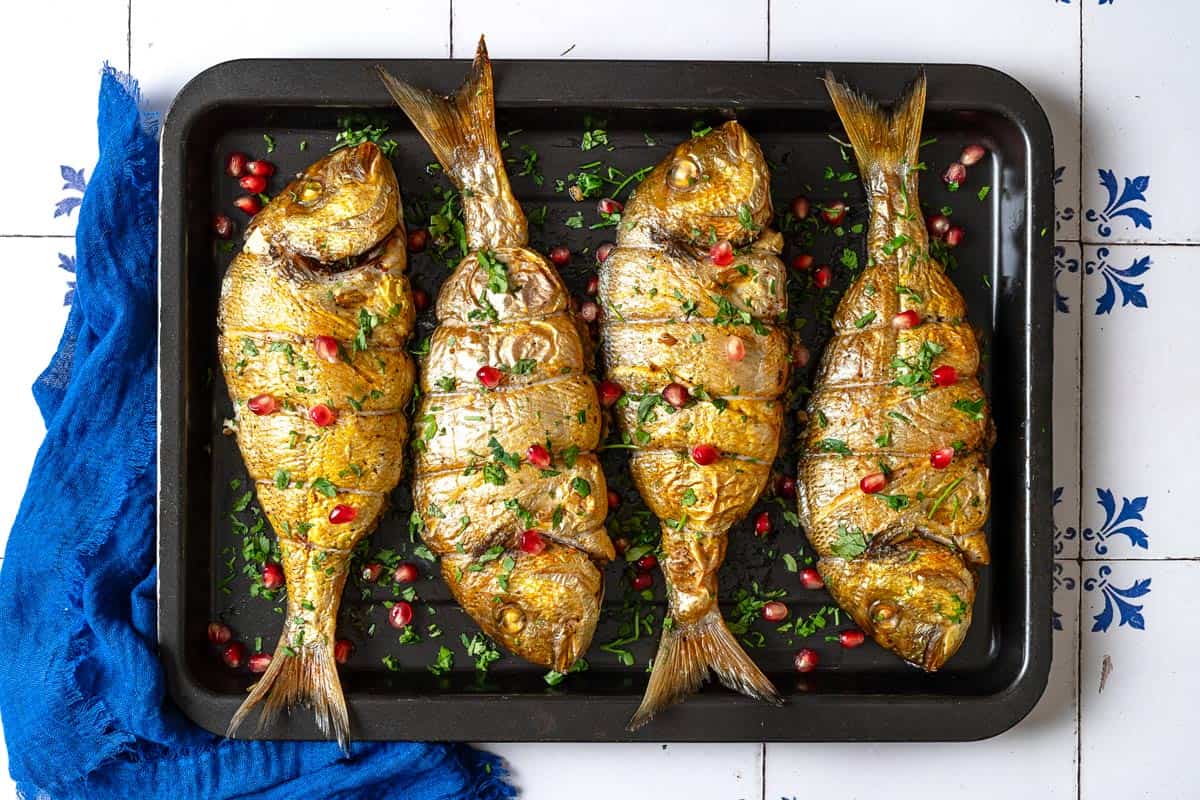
(914, 597)
(338, 208)
(714, 186)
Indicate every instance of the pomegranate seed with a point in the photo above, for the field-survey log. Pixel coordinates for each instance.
(806, 659)
(972, 154)
(589, 311)
(400, 614)
(259, 662)
(322, 415)
(342, 513)
(721, 253)
(342, 650)
(955, 236)
(405, 572)
(641, 581)
(371, 571)
(647, 562)
(614, 499)
(800, 207)
(676, 394)
(937, 224)
(811, 579)
(418, 240)
(219, 633)
(234, 655)
(249, 204)
(488, 376)
(774, 611)
(785, 486)
(593, 285)
(327, 349)
(762, 524)
(945, 375)
(264, 168)
(940, 459)
(420, 299)
(263, 404)
(610, 392)
(603, 251)
(236, 165)
(560, 256)
(954, 175)
(620, 544)
(272, 575)
(735, 348)
(905, 320)
(222, 226)
(609, 206)
(253, 184)
(538, 455)
(873, 483)
(705, 454)
(801, 355)
(852, 638)
(802, 262)
(532, 542)
(822, 277)
(834, 213)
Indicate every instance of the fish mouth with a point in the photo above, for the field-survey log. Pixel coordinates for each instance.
(736, 139)
(935, 654)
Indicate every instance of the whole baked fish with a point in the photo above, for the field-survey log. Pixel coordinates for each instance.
(507, 485)
(314, 315)
(893, 488)
(693, 295)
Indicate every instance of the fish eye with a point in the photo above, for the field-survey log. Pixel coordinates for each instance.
(310, 191)
(885, 615)
(684, 173)
(512, 619)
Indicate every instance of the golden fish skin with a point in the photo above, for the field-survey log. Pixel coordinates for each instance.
(901, 561)
(671, 316)
(475, 489)
(280, 294)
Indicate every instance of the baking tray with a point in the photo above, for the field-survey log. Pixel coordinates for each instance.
(863, 694)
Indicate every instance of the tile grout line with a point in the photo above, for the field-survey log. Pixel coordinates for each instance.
(129, 38)
(36, 236)
(451, 29)
(768, 59)
(762, 761)
(1079, 442)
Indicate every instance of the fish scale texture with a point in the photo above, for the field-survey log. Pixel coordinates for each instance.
(82, 693)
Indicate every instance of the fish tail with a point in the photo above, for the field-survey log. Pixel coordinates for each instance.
(881, 138)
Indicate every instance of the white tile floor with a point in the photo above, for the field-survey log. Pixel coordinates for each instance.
(1117, 73)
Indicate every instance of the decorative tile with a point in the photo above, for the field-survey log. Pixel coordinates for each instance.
(1133, 188)
(1140, 377)
(171, 43)
(604, 771)
(959, 31)
(1137, 695)
(1037, 754)
(53, 61)
(1067, 313)
(614, 30)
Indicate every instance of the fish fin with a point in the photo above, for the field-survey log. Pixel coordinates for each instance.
(309, 677)
(686, 654)
(881, 138)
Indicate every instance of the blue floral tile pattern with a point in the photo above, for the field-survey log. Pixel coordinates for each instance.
(1061, 535)
(66, 262)
(1061, 582)
(1118, 599)
(1117, 279)
(1118, 523)
(1122, 203)
(1062, 264)
(73, 180)
(1065, 214)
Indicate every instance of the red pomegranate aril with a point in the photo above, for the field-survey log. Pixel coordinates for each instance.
(609, 206)
(610, 392)
(972, 154)
(802, 262)
(721, 253)
(937, 224)
(248, 204)
(263, 168)
(785, 486)
(940, 459)
(822, 277)
(342, 514)
(641, 581)
(263, 404)
(253, 184)
(676, 394)
(322, 415)
(811, 579)
(905, 320)
(420, 299)
(560, 256)
(272, 575)
(944, 375)
(800, 207)
(532, 542)
(614, 500)
(222, 226)
(234, 655)
(538, 455)
(647, 562)
(954, 175)
(593, 285)
(851, 638)
(705, 454)
(342, 650)
(774, 611)
(873, 483)
(603, 251)
(955, 236)
(400, 614)
(371, 571)
(488, 376)
(259, 662)
(235, 165)
(762, 524)
(327, 349)
(418, 240)
(806, 659)
(834, 213)
(219, 633)
(735, 348)
(801, 355)
(405, 572)
(589, 311)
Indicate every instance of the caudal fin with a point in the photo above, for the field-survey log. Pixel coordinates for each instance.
(686, 654)
(880, 138)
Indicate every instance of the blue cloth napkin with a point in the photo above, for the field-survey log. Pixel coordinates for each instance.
(81, 690)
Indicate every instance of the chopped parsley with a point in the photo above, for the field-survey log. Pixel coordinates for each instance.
(444, 661)
(865, 320)
(834, 446)
(497, 272)
(972, 408)
(851, 543)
